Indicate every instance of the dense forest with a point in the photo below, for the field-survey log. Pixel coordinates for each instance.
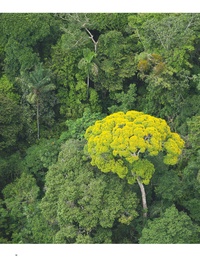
(66, 82)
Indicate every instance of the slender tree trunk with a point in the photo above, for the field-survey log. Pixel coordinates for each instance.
(38, 120)
(88, 84)
(144, 201)
(88, 81)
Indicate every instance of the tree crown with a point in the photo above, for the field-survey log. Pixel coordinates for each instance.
(124, 142)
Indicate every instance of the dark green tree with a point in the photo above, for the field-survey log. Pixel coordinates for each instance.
(38, 158)
(10, 167)
(27, 40)
(173, 227)
(4, 232)
(165, 44)
(191, 171)
(116, 61)
(10, 123)
(25, 221)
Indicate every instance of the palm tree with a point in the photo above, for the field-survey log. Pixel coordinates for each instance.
(87, 64)
(36, 84)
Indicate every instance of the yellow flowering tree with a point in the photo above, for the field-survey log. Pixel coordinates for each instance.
(123, 143)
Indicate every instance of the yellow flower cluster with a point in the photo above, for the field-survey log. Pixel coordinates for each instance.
(117, 142)
(173, 146)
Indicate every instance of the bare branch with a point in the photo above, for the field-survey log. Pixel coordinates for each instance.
(190, 22)
(160, 39)
(92, 38)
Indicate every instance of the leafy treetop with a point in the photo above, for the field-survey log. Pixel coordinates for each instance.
(124, 142)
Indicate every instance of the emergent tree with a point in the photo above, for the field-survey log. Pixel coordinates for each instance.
(123, 143)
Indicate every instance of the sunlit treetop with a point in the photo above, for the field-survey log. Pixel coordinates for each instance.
(123, 143)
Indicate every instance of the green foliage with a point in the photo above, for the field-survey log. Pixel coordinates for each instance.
(173, 227)
(18, 57)
(7, 89)
(24, 34)
(46, 151)
(17, 202)
(173, 34)
(73, 76)
(26, 224)
(116, 60)
(88, 66)
(168, 93)
(38, 93)
(193, 206)
(74, 70)
(10, 122)
(39, 158)
(166, 42)
(187, 110)
(19, 198)
(191, 170)
(170, 187)
(78, 67)
(86, 62)
(108, 21)
(64, 67)
(194, 134)
(192, 154)
(75, 37)
(125, 100)
(10, 168)
(3, 224)
(76, 128)
(83, 201)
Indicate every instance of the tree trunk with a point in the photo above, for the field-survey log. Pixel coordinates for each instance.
(144, 201)
(38, 120)
(88, 85)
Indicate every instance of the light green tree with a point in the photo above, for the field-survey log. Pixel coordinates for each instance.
(76, 128)
(123, 143)
(83, 203)
(7, 88)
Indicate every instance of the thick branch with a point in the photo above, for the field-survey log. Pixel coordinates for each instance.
(160, 39)
(190, 22)
(84, 23)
